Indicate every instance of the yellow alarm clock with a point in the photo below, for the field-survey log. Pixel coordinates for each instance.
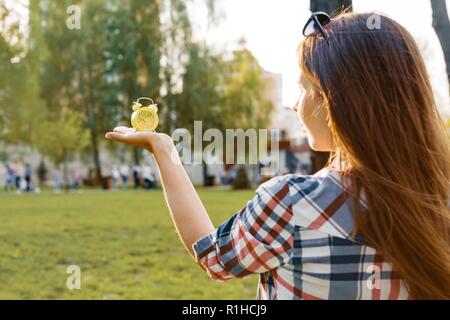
(144, 118)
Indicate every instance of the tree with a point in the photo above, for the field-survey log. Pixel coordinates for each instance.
(61, 137)
(132, 57)
(241, 182)
(74, 69)
(441, 25)
(20, 62)
(118, 55)
(10, 72)
(175, 47)
(244, 104)
(330, 6)
(200, 97)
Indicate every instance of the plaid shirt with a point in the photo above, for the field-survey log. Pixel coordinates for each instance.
(296, 234)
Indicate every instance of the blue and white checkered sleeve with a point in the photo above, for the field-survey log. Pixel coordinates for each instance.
(256, 239)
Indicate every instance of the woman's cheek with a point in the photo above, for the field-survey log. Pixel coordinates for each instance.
(313, 118)
(305, 110)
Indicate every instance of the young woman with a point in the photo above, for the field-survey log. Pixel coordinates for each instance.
(374, 224)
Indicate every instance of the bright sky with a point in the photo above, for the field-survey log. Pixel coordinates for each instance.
(273, 30)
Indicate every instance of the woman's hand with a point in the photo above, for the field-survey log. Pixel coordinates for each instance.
(188, 213)
(152, 141)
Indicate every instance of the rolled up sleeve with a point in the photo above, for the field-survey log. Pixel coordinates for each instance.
(254, 240)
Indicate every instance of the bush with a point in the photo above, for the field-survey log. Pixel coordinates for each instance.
(42, 172)
(241, 182)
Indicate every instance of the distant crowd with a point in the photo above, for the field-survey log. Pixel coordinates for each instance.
(143, 176)
(20, 177)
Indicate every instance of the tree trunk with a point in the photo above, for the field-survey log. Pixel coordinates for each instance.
(93, 123)
(137, 156)
(96, 157)
(65, 174)
(329, 6)
(92, 126)
(441, 25)
(205, 174)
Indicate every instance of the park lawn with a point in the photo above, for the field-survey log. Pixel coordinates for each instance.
(124, 243)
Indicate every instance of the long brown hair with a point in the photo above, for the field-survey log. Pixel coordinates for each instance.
(390, 140)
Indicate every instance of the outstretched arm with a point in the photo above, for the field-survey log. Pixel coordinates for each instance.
(188, 213)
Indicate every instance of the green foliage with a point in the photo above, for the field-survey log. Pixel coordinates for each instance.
(125, 49)
(132, 59)
(74, 69)
(124, 243)
(100, 69)
(223, 93)
(10, 49)
(244, 105)
(132, 55)
(58, 138)
(200, 98)
(174, 53)
(20, 105)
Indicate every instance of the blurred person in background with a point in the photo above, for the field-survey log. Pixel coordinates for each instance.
(28, 174)
(115, 177)
(76, 185)
(124, 173)
(149, 177)
(9, 178)
(18, 172)
(58, 182)
(136, 176)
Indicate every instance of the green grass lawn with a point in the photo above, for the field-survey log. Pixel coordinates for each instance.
(124, 243)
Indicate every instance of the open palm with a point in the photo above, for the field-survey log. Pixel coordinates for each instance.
(143, 139)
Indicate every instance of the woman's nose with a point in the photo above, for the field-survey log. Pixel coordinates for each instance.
(297, 104)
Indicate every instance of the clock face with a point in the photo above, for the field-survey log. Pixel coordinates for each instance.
(144, 119)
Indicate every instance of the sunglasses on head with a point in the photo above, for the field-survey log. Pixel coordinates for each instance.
(316, 23)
